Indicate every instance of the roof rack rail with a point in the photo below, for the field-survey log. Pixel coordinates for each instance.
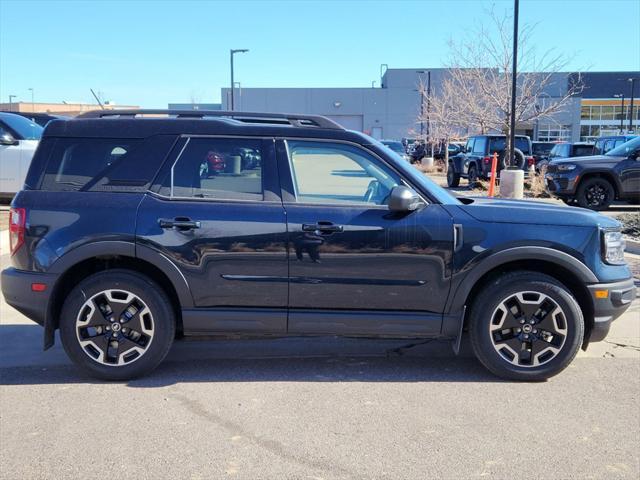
(296, 120)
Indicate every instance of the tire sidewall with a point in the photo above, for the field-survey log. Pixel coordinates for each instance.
(149, 292)
(493, 295)
(582, 195)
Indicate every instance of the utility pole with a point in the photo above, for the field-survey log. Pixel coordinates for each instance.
(633, 86)
(429, 106)
(514, 78)
(33, 106)
(232, 52)
(621, 97)
(11, 97)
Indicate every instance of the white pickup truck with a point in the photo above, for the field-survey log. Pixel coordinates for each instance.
(19, 138)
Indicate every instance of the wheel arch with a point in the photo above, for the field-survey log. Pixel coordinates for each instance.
(559, 265)
(89, 259)
(606, 175)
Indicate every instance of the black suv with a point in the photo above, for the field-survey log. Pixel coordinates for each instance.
(474, 161)
(121, 242)
(596, 181)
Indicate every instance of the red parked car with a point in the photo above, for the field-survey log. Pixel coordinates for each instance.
(213, 165)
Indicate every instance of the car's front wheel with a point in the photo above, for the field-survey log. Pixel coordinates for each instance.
(117, 325)
(595, 193)
(526, 326)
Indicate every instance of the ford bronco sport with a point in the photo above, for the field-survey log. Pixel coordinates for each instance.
(119, 241)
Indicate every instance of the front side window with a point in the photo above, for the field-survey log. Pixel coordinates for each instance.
(338, 173)
(218, 168)
(24, 128)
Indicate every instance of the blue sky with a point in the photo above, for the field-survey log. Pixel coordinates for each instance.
(150, 53)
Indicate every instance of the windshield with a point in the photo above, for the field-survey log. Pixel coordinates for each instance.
(625, 149)
(395, 146)
(26, 129)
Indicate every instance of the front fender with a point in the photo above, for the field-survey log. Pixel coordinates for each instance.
(461, 292)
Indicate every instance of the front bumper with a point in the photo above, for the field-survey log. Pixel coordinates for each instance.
(17, 291)
(561, 185)
(606, 309)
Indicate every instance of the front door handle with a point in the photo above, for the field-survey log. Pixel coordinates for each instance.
(180, 223)
(323, 227)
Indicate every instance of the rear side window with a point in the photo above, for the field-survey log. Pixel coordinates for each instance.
(218, 168)
(79, 163)
(582, 150)
(104, 164)
(480, 145)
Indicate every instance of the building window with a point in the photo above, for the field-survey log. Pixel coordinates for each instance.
(554, 133)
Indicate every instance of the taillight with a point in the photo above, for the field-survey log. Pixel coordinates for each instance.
(486, 160)
(531, 161)
(17, 221)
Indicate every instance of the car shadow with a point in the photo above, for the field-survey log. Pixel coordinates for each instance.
(291, 359)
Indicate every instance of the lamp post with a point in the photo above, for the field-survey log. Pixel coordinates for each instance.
(11, 97)
(232, 52)
(33, 106)
(621, 97)
(633, 85)
(514, 77)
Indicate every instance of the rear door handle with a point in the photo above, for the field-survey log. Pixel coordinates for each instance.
(181, 223)
(324, 227)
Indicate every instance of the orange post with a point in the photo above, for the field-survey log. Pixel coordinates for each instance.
(492, 180)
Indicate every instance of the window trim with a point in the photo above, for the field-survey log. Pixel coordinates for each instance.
(403, 180)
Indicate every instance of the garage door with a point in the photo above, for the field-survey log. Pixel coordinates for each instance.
(350, 122)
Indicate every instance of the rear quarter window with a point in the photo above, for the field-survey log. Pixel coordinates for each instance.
(104, 164)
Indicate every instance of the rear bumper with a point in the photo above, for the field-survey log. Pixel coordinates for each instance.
(16, 288)
(606, 310)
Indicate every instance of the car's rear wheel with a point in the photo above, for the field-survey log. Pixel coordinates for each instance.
(453, 178)
(526, 326)
(472, 176)
(117, 325)
(595, 193)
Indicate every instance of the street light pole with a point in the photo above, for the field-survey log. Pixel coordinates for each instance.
(429, 106)
(232, 52)
(514, 77)
(621, 97)
(633, 86)
(33, 106)
(11, 97)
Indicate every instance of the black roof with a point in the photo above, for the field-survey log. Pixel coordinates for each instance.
(130, 124)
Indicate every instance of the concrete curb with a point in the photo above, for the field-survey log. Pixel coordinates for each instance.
(633, 246)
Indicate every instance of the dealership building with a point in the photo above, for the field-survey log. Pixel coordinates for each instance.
(391, 110)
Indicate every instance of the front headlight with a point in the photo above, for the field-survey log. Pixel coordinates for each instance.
(566, 167)
(613, 247)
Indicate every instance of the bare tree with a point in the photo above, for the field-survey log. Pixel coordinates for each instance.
(478, 84)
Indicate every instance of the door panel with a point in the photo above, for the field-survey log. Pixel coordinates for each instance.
(216, 217)
(629, 171)
(348, 252)
(378, 261)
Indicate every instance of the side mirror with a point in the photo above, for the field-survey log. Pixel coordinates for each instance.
(635, 154)
(7, 139)
(404, 199)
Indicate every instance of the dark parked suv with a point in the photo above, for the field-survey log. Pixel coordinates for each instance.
(596, 181)
(120, 242)
(474, 161)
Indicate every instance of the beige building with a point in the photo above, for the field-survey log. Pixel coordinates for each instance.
(70, 109)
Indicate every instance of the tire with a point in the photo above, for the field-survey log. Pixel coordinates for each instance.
(472, 175)
(519, 159)
(453, 178)
(144, 336)
(568, 200)
(554, 338)
(595, 193)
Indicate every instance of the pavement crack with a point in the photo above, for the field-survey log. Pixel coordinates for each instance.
(623, 345)
(273, 446)
(401, 349)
